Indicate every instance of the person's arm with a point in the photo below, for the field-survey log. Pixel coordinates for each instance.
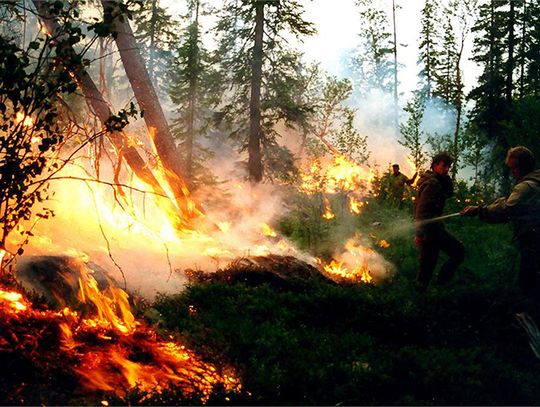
(501, 209)
(411, 180)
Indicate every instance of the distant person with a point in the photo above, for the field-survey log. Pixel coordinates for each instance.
(522, 209)
(433, 189)
(397, 185)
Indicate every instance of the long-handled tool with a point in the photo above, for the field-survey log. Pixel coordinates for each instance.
(426, 221)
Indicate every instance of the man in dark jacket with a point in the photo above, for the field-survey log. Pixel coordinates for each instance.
(522, 209)
(434, 188)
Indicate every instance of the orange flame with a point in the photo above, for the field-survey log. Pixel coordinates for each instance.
(267, 230)
(109, 361)
(341, 175)
(355, 206)
(14, 300)
(328, 214)
(383, 243)
(357, 274)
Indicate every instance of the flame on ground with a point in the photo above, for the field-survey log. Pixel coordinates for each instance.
(114, 352)
(357, 274)
(357, 264)
(136, 232)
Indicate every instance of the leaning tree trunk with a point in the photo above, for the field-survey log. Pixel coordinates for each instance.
(255, 167)
(99, 106)
(153, 114)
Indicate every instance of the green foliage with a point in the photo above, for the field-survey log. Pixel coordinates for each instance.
(523, 128)
(319, 343)
(330, 120)
(373, 64)
(30, 132)
(196, 89)
(279, 83)
(412, 136)
(33, 130)
(429, 48)
(156, 31)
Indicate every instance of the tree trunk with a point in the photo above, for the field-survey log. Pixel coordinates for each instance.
(510, 64)
(459, 105)
(101, 108)
(255, 168)
(152, 50)
(396, 118)
(192, 98)
(523, 51)
(153, 114)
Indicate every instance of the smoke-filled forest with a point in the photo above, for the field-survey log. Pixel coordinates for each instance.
(196, 210)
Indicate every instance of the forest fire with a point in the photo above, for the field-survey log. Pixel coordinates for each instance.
(111, 351)
(357, 263)
(357, 274)
(339, 176)
(123, 207)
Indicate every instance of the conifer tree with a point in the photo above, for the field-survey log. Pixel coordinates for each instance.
(262, 74)
(195, 90)
(429, 48)
(331, 121)
(413, 137)
(373, 65)
(531, 50)
(493, 51)
(156, 32)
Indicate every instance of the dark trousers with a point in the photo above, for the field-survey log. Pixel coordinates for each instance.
(529, 273)
(429, 248)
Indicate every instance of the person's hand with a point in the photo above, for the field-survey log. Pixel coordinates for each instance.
(470, 211)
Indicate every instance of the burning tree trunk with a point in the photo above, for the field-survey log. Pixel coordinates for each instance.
(166, 150)
(146, 96)
(100, 107)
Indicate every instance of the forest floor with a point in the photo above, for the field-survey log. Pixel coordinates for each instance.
(313, 342)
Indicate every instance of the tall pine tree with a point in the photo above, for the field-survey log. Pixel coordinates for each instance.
(262, 74)
(429, 48)
(491, 107)
(373, 64)
(156, 31)
(195, 91)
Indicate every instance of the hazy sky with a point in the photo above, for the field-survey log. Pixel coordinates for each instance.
(338, 24)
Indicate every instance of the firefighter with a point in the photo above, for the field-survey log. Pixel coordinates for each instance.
(433, 189)
(522, 209)
(397, 185)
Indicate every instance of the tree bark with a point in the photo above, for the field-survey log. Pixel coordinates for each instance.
(255, 168)
(458, 104)
(153, 114)
(522, 62)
